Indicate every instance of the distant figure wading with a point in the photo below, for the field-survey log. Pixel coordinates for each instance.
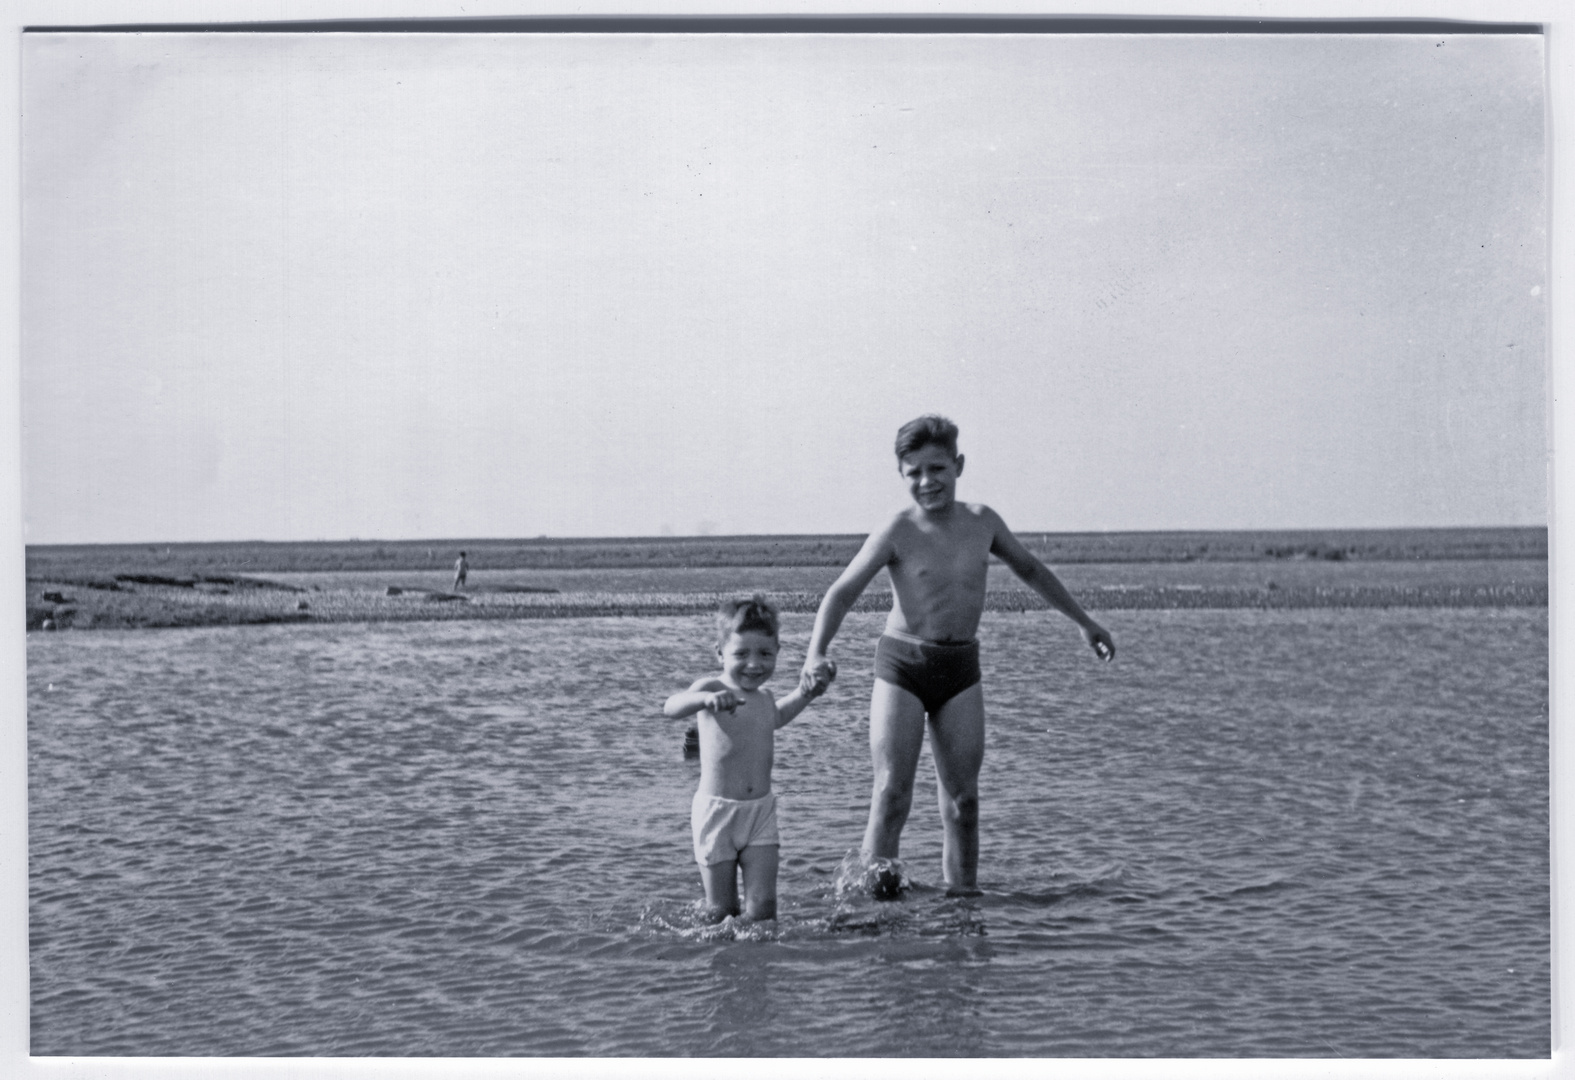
(461, 568)
(927, 662)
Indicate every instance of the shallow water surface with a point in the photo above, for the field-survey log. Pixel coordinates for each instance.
(1260, 833)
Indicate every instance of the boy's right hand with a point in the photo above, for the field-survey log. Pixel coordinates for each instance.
(1100, 641)
(818, 673)
(723, 701)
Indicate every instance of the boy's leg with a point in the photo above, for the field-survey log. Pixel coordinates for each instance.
(759, 864)
(957, 743)
(721, 887)
(896, 734)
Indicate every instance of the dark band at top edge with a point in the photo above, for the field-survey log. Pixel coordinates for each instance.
(819, 24)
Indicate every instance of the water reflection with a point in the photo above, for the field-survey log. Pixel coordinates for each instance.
(743, 1007)
(306, 840)
(932, 996)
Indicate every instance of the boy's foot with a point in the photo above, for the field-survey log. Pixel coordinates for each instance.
(883, 879)
(964, 890)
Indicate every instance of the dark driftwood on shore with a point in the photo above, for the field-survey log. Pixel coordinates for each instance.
(59, 562)
(219, 584)
(170, 606)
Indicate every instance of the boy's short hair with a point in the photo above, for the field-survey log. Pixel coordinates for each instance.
(738, 616)
(924, 431)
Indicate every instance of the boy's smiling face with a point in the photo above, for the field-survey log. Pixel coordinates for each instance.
(932, 475)
(748, 658)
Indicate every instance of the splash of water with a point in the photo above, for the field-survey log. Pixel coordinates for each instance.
(879, 879)
(696, 923)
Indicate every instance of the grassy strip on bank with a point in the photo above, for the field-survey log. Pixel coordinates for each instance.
(59, 562)
(148, 606)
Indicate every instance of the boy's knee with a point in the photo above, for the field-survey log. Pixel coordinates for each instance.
(963, 808)
(891, 806)
(893, 793)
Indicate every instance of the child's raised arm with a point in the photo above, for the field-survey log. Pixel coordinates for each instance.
(704, 694)
(798, 699)
(1039, 577)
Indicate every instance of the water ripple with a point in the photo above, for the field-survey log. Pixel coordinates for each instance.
(1271, 833)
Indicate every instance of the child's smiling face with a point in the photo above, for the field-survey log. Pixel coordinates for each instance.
(748, 658)
(931, 473)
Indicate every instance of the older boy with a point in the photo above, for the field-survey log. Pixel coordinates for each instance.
(734, 815)
(927, 662)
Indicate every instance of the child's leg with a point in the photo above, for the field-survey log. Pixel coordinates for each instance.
(759, 863)
(721, 887)
(896, 735)
(957, 742)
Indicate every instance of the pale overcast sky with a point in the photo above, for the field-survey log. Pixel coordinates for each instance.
(390, 286)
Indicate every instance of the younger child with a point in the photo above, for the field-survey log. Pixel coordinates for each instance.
(734, 815)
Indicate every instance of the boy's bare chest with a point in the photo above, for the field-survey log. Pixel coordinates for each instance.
(937, 558)
(750, 722)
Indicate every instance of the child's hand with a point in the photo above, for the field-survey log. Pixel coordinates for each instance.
(1100, 640)
(723, 701)
(826, 674)
(816, 677)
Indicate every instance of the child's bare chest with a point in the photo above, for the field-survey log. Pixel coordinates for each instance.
(747, 724)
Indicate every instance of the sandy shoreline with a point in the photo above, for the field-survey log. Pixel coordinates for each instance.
(73, 606)
(650, 553)
(131, 586)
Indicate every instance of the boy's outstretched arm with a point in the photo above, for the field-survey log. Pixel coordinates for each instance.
(838, 601)
(1039, 578)
(704, 694)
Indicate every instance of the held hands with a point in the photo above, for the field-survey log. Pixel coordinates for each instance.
(817, 675)
(1100, 641)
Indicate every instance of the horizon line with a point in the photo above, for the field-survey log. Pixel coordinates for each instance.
(738, 537)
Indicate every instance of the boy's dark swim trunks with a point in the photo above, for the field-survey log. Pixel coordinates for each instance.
(932, 671)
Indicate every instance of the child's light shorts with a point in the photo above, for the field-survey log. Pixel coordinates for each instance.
(724, 827)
